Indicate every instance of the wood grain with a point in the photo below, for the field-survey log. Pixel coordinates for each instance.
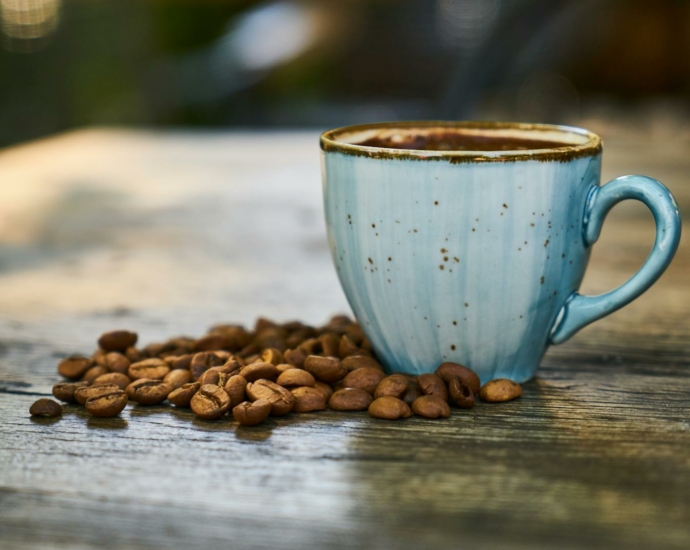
(170, 233)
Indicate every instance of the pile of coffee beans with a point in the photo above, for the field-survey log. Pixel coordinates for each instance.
(273, 370)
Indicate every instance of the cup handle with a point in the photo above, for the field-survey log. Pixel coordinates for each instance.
(580, 310)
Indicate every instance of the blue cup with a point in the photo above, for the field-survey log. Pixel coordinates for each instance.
(476, 257)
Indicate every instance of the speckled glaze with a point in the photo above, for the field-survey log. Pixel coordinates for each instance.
(477, 261)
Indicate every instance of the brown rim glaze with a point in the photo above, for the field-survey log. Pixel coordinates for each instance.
(591, 147)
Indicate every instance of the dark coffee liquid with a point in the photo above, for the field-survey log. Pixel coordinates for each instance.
(453, 141)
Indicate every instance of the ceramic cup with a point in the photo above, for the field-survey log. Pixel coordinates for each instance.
(476, 257)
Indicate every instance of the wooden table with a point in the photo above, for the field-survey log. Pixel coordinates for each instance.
(168, 233)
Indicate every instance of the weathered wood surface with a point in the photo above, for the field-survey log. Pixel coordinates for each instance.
(170, 233)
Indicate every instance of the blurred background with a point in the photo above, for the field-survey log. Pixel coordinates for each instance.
(605, 64)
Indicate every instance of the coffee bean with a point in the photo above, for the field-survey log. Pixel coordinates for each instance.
(213, 342)
(272, 356)
(365, 378)
(394, 385)
(153, 369)
(325, 369)
(235, 387)
(325, 389)
(182, 396)
(133, 355)
(350, 399)
(355, 362)
(431, 406)
(346, 347)
(330, 344)
(448, 371)
(74, 366)
(210, 402)
(285, 366)
(116, 362)
(118, 379)
(431, 384)
(178, 378)
(219, 375)
(87, 392)
(64, 391)
(295, 377)
(281, 399)
(94, 372)
(311, 346)
(294, 357)
(251, 414)
(98, 358)
(148, 392)
(249, 350)
(308, 400)
(461, 394)
(256, 371)
(203, 361)
(179, 362)
(237, 337)
(271, 338)
(500, 390)
(389, 408)
(45, 407)
(107, 405)
(412, 393)
(117, 340)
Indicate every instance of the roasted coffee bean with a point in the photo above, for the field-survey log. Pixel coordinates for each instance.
(340, 319)
(281, 399)
(223, 355)
(178, 378)
(219, 375)
(294, 357)
(412, 393)
(117, 340)
(210, 402)
(394, 385)
(272, 356)
(325, 369)
(45, 407)
(310, 346)
(389, 408)
(262, 323)
(431, 384)
(249, 350)
(116, 362)
(153, 369)
(94, 372)
(295, 377)
(285, 366)
(308, 400)
(325, 389)
(355, 362)
(116, 378)
(179, 362)
(236, 335)
(271, 338)
(355, 334)
(461, 394)
(107, 405)
(74, 366)
(98, 358)
(252, 413)
(182, 396)
(448, 371)
(203, 361)
(256, 371)
(148, 392)
(133, 354)
(235, 387)
(500, 390)
(366, 379)
(330, 344)
(347, 347)
(366, 344)
(87, 392)
(64, 391)
(350, 399)
(213, 342)
(154, 349)
(431, 406)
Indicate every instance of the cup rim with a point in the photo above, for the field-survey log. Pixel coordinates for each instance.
(590, 147)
